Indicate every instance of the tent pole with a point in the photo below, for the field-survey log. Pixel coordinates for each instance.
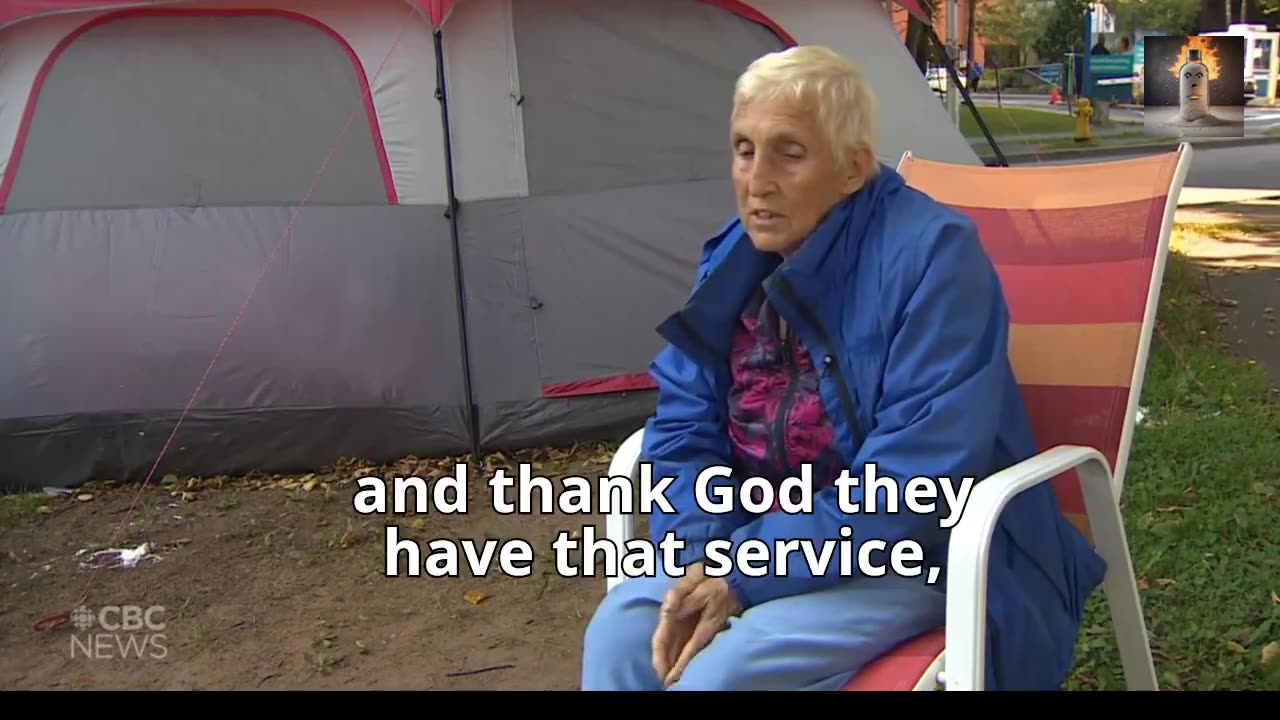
(952, 52)
(473, 430)
(964, 93)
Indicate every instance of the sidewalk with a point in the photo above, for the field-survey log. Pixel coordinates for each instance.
(1236, 242)
(1121, 139)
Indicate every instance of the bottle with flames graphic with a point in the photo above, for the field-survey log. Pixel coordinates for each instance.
(1193, 88)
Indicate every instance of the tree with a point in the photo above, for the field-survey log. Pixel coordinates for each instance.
(1063, 30)
(1174, 17)
(1012, 23)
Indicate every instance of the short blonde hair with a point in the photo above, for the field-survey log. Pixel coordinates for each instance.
(824, 81)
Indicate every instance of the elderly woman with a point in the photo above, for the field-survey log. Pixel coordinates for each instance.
(841, 318)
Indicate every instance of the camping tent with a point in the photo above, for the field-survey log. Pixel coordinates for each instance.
(237, 214)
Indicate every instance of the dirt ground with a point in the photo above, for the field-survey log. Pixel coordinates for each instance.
(279, 583)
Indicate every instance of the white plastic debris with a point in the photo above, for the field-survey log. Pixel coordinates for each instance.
(119, 557)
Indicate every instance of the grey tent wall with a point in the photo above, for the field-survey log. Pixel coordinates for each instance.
(133, 235)
(330, 356)
(624, 110)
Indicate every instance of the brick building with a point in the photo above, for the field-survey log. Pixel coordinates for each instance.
(977, 53)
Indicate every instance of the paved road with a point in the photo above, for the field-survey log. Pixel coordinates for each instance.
(1256, 119)
(1249, 166)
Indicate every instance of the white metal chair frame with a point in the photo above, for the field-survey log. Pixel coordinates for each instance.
(961, 665)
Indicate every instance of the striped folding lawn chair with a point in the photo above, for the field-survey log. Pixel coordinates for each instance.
(1080, 251)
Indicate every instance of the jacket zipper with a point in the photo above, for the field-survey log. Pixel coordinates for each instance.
(830, 368)
(781, 462)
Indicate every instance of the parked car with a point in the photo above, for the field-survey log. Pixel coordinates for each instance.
(939, 78)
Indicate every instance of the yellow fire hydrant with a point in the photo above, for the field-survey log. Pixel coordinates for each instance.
(1084, 110)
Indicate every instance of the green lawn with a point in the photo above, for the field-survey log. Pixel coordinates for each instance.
(1008, 120)
(1201, 509)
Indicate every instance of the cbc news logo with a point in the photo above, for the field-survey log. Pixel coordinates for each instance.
(119, 632)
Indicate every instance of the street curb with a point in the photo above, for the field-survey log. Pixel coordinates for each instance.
(1132, 149)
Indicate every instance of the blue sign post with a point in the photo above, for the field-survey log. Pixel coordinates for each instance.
(1107, 78)
(1111, 77)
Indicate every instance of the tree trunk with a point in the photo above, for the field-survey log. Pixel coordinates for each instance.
(915, 42)
(918, 42)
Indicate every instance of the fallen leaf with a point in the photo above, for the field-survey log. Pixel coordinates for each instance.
(84, 497)
(188, 495)
(362, 647)
(45, 510)
(1275, 599)
(418, 524)
(309, 485)
(1172, 508)
(1235, 647)
(1166, 582)
(1143, 584)
(1269, 652)
(475, 597)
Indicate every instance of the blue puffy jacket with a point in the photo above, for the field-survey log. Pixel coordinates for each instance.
(895, 296)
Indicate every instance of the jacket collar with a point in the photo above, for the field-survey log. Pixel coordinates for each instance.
(836, 238)
(705, 323)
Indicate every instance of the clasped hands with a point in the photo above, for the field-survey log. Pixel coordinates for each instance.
(693, 611)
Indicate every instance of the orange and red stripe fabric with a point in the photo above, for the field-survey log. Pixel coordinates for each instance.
(1074, 247)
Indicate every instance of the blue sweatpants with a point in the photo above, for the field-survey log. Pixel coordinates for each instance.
(807, 642)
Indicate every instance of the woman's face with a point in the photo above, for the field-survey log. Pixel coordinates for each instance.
(785, 174)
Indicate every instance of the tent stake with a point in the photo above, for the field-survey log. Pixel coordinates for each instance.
(473, 429)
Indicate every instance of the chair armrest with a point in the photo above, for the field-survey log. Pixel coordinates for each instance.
(620, 527)
(970, 545)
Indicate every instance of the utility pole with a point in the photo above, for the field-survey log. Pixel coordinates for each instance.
(953, 32)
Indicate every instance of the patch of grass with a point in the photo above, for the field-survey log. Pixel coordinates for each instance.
(1201, 511)
(18, 508)
(1010, 120)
